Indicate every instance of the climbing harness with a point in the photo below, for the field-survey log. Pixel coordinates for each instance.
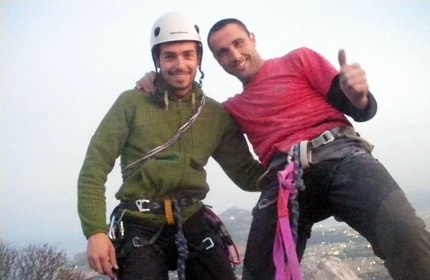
(308, 147)
(172, 210)
(290, 183)
(146, 205)
(221, 230)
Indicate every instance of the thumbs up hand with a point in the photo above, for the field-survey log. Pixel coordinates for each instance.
(353, 82)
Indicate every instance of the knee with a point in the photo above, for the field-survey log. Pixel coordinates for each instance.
(396, 212)
(397, 222)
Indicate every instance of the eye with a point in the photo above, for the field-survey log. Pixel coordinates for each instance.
(238, 43)
(221, 53)
(168, 56)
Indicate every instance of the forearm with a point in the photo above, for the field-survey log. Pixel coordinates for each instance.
(338, 100)
(91, 191)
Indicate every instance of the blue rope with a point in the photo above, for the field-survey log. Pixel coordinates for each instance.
(299, 186)
(181, 243)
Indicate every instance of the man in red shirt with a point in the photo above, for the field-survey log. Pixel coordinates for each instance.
(296, 98)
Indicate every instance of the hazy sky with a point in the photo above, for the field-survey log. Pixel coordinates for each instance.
(63, 64)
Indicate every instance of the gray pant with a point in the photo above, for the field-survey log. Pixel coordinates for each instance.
(360, 191)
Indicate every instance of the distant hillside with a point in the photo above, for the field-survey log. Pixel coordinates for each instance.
(238, 221)
(325, 238)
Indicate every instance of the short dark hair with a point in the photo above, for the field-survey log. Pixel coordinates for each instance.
(156, 49)
(224, 22)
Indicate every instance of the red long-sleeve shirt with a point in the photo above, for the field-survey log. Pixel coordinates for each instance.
(286, 102)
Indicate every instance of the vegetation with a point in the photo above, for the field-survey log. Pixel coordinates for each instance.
(35, 262)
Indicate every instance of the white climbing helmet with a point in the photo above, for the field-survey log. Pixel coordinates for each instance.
(174, 27)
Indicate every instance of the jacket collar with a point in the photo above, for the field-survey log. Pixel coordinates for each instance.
(196, 90)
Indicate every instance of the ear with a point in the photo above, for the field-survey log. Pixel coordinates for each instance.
(252, 38)
(156, 60)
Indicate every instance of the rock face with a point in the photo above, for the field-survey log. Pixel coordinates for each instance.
(327, 268)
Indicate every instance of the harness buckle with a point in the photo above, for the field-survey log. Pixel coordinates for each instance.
(324, 138)
(210, 241)
(140, 204)
(137, 242)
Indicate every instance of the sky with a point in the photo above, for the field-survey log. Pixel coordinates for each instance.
(63, 63)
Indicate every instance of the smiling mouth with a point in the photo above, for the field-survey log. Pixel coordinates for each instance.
(179, 76)
(240, 66)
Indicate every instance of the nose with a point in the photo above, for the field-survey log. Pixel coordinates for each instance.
(235, 54)
(180, 62)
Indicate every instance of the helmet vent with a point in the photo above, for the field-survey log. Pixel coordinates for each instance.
(157, 31)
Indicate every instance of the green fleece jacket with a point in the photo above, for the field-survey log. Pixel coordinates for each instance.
(134, 126)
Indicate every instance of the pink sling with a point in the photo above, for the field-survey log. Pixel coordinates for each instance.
(284, 249)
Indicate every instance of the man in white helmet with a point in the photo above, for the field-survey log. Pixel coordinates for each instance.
(164, 141)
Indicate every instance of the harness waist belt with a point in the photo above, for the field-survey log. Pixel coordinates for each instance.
(146, 205)
(324, 138)
(310, 152)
